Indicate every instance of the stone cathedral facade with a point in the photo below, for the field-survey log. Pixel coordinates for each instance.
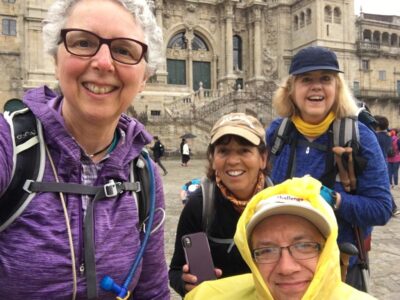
(225, 55)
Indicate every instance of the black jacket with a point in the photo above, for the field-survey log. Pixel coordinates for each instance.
(157, 151)
(223, 226)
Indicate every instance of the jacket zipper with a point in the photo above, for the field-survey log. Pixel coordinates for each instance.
(81, 249)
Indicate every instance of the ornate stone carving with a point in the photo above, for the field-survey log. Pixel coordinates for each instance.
(191, 8)
(270, 29)
(269, 63)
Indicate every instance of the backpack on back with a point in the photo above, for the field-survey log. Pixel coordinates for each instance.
(343, 132)
(391, 151)
(29, 158)
(29, 161)
(162, 149)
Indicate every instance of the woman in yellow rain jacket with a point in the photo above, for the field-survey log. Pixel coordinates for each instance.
(310, 267)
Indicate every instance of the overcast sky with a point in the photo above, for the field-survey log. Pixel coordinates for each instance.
(383, 7)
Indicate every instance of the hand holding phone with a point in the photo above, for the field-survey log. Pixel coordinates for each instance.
(198, 256)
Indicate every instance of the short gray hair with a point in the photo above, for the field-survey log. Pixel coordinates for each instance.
(141, 9)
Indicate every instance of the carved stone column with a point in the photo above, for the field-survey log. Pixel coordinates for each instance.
(257, 42)
(229, 40)
(214, 73)
(251, 46)
(189, 35)
(162, 69)
(257, 78)
(159, 10)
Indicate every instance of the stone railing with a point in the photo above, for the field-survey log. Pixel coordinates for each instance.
(184, 106)
(367, 45)
(377, 93)
(205, 107)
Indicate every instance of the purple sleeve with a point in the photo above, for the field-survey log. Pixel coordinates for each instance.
(5, 155)
(153, 281)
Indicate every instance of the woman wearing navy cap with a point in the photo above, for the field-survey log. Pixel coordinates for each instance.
(312, 100)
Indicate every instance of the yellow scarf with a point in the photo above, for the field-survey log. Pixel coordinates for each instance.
(312, 130)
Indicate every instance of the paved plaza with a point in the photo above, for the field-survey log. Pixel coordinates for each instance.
(385, 254)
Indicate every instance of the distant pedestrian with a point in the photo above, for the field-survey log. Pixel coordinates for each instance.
(158, 151)
(381, 129)
(181, 150)
(394, 161)
(385, 142)
(185, 154)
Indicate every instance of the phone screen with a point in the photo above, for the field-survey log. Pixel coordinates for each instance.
(198, 256)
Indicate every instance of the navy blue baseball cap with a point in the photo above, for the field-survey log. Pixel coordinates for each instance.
(312, 59)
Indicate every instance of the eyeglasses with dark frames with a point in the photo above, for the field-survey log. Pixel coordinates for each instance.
(84, 43)
(299, 251)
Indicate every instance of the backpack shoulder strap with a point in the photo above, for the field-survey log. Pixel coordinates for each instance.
(281, 136)
(345, 132)
(208, 212)
(140, 173)
(28, 159)
(268, 182)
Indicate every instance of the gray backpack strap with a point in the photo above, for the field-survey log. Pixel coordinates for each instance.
(268, 181)
(140, 174)
(345, 132)
(208, 190)
(208, 213)
(281, 136)
(229, 242)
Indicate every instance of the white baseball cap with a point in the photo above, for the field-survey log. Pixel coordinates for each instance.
(284, 204)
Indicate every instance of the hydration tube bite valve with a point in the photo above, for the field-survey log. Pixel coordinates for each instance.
(108, 284)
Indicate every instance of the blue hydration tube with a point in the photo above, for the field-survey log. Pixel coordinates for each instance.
(107, 283)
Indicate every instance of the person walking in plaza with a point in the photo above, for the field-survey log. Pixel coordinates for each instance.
(382, 134)
(394, 161)
(158, 151)
(63, 243)
(385, 142)
(185, 153)
(287, 235)
(237, 170)
(312, 97)
(181, 150)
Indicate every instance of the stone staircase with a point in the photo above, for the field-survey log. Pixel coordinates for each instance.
(197, 112)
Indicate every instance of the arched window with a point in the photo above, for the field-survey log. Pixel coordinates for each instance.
(308, 16)
(178, 41)
(367, 35)
(237, 52)
(394, 42)
(302, 19)
(328, 14)
(376, 38)
(337, 13)
(296, 22)
(385, 39)
(198, 43)
(192, 70)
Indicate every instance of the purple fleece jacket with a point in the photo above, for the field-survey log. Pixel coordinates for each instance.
(35, 259)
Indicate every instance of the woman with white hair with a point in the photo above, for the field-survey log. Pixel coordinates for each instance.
(104, 51)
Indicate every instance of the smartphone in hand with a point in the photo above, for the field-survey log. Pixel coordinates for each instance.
(198, 256)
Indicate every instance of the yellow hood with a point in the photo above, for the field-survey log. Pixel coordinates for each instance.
(326, 283)
(327, 275)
